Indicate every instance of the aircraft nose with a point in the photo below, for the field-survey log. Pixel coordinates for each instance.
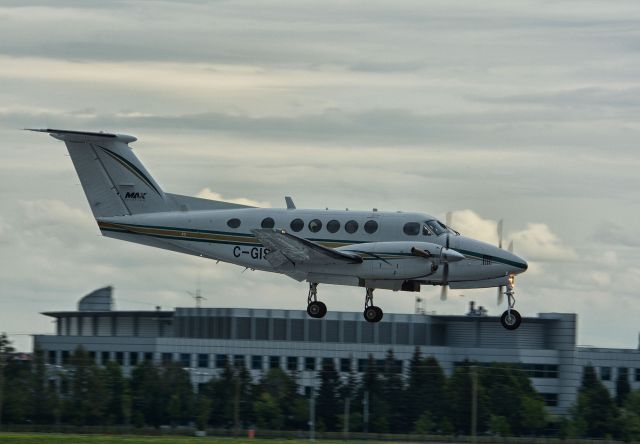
(519, 263)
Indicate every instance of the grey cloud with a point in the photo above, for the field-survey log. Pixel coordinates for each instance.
(613, 233)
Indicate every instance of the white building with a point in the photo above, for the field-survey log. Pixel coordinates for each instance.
(205, 339)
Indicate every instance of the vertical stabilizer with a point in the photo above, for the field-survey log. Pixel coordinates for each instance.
(114, 180)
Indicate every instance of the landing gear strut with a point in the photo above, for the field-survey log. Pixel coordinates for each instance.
(510, 319)
(371, 312)
(315, 308)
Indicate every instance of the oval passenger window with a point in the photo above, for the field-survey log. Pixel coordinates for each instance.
(233, 223)
(351, 226)
(411, 228)
(333, 226)
(297, 225)
(315, 225)
(267, 222)
(371, 226)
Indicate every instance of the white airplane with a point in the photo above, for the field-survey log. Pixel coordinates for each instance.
(370, 249)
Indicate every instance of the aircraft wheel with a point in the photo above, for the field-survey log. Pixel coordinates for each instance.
(373, 314)
(511, 321)
(317, 309)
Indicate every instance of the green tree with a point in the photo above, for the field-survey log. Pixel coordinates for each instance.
(595, 413)
(86, 403)
(623, 388)
(117, 390)
(268, 413)
(284, 390)
(42, 396)
(5, 350)
(146, 395)
(372, 387)
(393, 392)
(178, 396)
(328, 405)
(630, 418)
(460, 387)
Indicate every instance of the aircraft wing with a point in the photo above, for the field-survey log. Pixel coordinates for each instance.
(286, 248)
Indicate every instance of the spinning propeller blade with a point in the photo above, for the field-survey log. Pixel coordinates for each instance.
(445, 274)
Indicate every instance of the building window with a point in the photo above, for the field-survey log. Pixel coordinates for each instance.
(333, 226)
(292, 363)
(233, 223)
(203, 360)
(315, 225)
(238, 361)
(327, 363)
(371, 226)
(268, 222)
(297, 225)
(92, 356)
(104, 357)
(638, 375)
(65, 357)
(310, 364)
(185, 359)
(52, 359)
(274, 361)
(120, 358)
(256, 362)
(351, 227)
(623, 372)
(411, 228)
(605, 373)
(133, 359)
(221, 361)
(148, 356)
(345, 365)
(550, 399)
(167, 358)
(362, 365)
(307, 391)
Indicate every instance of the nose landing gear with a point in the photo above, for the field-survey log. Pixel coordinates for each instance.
(315, 308)
(510, 319)
(371, 312)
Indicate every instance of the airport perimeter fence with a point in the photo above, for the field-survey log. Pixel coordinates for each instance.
(293, 435)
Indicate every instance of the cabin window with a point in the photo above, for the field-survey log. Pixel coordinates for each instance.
(411, 228)
(371, 226)
(315, 225)
(297, 225)
(233, 223)
(333, 226)
(267, 222)
(351, 226)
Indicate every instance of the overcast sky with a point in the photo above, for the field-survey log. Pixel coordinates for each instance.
(527, 111)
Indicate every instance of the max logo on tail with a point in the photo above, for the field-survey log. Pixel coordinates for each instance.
(135, 195)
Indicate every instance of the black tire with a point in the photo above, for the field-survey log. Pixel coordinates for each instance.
(372, 314)
(316, 309)
(511, 322)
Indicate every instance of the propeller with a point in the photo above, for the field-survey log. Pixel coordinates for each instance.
(445, 272)
(510, 250)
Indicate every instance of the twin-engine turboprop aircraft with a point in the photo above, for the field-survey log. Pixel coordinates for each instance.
(370, 249)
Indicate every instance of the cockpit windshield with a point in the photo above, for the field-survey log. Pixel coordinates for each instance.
(436, 227)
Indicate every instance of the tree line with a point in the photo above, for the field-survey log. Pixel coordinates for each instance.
(424, 400)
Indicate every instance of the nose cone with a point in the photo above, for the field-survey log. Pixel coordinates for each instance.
(449, 255)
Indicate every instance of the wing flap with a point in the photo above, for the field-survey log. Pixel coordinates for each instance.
(288, 248)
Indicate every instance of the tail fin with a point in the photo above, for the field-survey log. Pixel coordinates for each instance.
(114, 180)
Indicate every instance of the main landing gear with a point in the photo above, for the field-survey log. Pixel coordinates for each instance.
(510, 319)
(371, 312)
(315, 308)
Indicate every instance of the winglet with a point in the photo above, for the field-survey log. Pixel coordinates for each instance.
(290, 204)
(71, 134)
